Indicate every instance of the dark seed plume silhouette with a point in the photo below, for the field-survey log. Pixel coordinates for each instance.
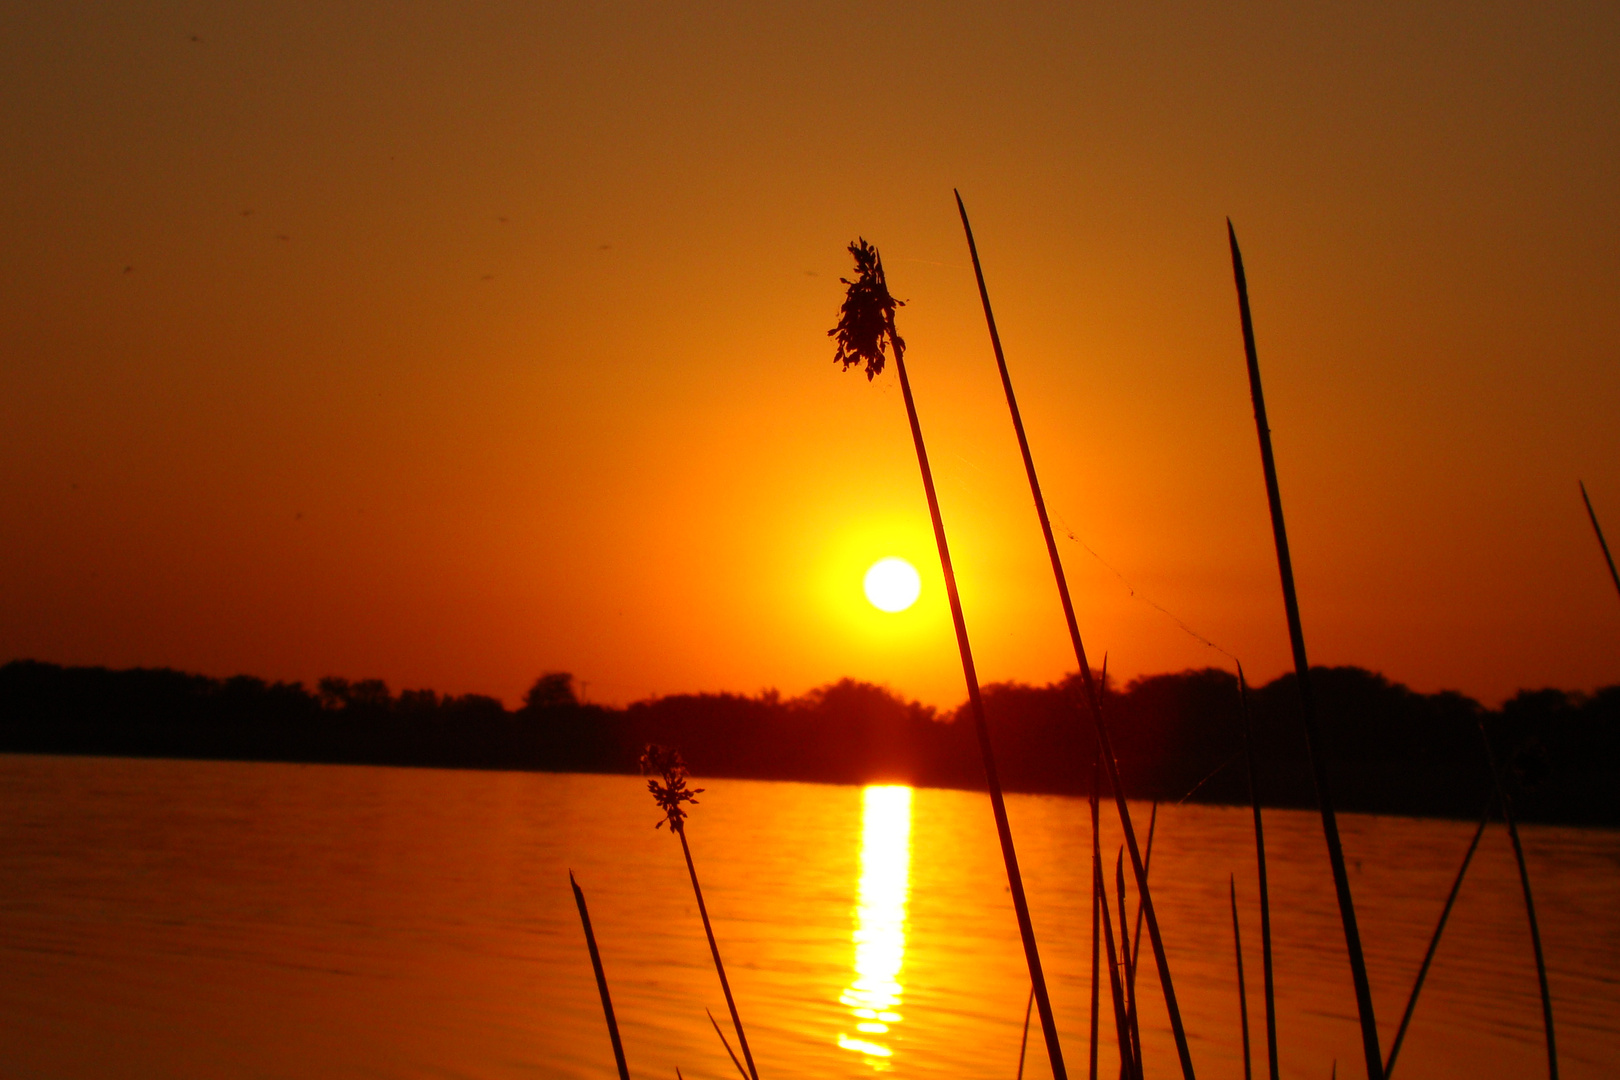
(865, 330)
(865, 327)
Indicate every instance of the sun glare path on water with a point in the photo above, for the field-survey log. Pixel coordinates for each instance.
(892, 584)
(873, 998)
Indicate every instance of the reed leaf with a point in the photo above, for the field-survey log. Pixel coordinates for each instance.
(1506, 803)
(1096, 921)
(1092, 694)
(1023, 1043)
(1302, 669)
(1122, 1030)
(1602, 543)
(1243, 990)
(1128, 962)
(601, 978)
(672, 796)
(1260, 865)
(1147, 864)
(1136, 938)
(1434, 940)
(866, 324)
(723, 1042)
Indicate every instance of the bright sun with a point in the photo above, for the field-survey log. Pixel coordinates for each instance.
(892, 584)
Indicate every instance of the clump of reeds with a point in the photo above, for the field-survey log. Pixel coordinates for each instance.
(668, 784)
(863, 335)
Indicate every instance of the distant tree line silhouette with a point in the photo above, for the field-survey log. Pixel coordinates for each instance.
(1178, 735)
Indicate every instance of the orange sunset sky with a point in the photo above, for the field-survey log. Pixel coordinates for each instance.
(451, 343)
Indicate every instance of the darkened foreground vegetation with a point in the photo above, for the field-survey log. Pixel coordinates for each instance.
(1392, 750)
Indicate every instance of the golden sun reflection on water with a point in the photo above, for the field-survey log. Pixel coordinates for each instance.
(873, 998)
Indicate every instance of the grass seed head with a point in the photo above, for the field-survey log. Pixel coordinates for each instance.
(866, 321)
(666, 762)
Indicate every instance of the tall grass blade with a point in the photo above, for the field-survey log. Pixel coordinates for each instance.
(1243, 990)
(1602, 543)
(1023, 1043)
(1122, 1030)
(1434, 941)
(1125, 956)
(866, 325)
(1096, 923)
(1265, 892)
(601, 978)
(1133, 1010)
(723, 1042)
(1147, 864)
(1529, 901)
(1092, 694)
(1302, 669)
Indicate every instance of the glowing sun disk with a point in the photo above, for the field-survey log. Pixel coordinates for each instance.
(892, 584)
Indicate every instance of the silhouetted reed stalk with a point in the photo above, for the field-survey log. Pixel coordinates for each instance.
(1302, 669)
(723, 1042)
(864, 332)
(1096, 920)
(1092, 694)
(601, 979)
(670, 795)
(1243, 990)
(1260, 865)
(1604, 544)
(1023, 1043)
(1434, 941)
(1132, 1011)
(1122, 1030)
(1136, 938)
(1506, 803)
(1127, 960)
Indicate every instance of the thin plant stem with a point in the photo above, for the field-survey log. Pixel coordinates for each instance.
(1529, 901)
(1092, 694)
(998, 806)
(723, 1042)
(1122, 1031)
(1147, 864)
(1302, 669)
(1434, 940)
(714, 950)
(1604, 544)
(1243, 992)
(1096, 923)
(1129, 964)
(1260, 866)
(601, 979)
(1023, 1043)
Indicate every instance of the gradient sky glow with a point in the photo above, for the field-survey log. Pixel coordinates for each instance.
(449, 346)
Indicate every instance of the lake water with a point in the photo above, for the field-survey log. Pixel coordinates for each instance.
(221, 920)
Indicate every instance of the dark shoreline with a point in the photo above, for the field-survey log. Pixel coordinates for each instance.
(1393, 751)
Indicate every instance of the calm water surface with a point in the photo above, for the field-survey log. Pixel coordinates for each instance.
(199, 919)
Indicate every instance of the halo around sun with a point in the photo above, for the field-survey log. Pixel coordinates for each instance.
(892, 584)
